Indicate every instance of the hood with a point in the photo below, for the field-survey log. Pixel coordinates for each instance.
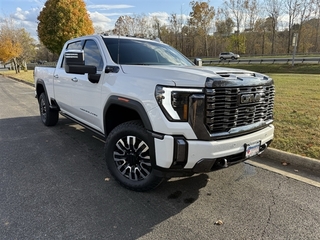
(191, 76)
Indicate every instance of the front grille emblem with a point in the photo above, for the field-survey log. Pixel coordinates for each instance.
(250, 98)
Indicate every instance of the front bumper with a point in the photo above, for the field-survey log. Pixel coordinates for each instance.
(203, 156)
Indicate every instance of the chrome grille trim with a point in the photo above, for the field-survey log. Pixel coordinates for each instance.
(231, 108)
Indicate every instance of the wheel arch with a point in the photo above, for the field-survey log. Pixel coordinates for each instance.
(40, 88)
(118, 110)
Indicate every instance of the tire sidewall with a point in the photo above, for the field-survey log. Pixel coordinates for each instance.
(51, 116)
(132, 128)
(43, 99)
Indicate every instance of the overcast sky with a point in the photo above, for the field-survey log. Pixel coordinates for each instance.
(103, 13)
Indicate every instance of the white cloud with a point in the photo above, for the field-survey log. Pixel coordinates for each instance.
(27, 20)
(109, 7)
(101, 21)
(162, 16)
(101, 18)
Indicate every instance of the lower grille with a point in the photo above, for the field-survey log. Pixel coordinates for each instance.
(228, 108)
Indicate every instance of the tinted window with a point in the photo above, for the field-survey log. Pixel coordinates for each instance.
(74, 46)
(92, 55)
(139, 52)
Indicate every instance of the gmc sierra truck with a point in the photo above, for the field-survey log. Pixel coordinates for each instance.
(162, 115)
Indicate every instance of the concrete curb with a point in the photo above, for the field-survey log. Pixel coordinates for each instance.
(293, 159)
(19, 80)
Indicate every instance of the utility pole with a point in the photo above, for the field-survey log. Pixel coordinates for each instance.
(294, 44)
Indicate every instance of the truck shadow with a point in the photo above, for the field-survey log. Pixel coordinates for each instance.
(56, 183)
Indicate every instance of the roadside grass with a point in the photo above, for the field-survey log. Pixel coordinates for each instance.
(297, 104)
(25, 76)
(275, 68)
(297, 114)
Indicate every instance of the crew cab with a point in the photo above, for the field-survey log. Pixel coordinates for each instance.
(162, 115)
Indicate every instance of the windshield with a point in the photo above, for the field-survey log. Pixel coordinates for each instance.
(139, 52)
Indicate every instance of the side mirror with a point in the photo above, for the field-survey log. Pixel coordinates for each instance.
(198, 61)
(74, 63)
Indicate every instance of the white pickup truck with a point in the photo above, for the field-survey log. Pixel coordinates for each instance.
(162, 115)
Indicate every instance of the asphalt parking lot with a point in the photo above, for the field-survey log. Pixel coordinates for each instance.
(54, 184)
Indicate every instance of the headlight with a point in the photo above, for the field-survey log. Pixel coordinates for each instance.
(174, 102)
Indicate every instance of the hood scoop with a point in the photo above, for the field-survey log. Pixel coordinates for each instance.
(237, 79)
(235, 74)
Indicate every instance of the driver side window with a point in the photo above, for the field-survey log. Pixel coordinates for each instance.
(92, 55)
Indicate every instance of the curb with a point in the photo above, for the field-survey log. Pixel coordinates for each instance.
(17, 79)
(293, 159)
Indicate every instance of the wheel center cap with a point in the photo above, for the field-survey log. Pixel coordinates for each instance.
(131, 158)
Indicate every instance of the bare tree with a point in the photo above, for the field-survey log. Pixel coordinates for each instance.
(252, 12)
(235, 9)
(174, 28)
(274, 10)
(317, 15)
(201, 18)
(306, 10)
(155, 26)
(292, 9)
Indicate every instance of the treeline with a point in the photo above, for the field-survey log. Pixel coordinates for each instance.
(250, 27)
(17, 47)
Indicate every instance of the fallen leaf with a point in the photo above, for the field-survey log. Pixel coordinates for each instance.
(285, 164)
(219, 222)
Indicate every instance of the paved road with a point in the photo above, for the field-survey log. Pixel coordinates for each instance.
(54, 185)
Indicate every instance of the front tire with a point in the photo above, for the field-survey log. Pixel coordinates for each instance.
(128, 157)
(49, 117)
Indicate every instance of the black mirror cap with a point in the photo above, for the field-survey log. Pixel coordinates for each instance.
(81, 69)
(74, 57)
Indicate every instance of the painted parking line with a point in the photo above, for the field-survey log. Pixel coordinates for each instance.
(284, 173)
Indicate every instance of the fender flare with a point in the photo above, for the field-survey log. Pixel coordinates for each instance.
(131, 104)
(52, 102)
(40, 82)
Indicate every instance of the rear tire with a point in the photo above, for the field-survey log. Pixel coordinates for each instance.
(128, 157)
(49, 117)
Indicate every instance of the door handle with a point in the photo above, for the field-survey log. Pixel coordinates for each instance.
(74, 79)
(56, 76)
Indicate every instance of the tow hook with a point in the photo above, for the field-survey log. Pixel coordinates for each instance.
(225, 165)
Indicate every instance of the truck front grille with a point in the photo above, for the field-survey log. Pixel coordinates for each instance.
(234, 107)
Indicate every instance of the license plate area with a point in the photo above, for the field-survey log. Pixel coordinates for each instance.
(252, 149)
